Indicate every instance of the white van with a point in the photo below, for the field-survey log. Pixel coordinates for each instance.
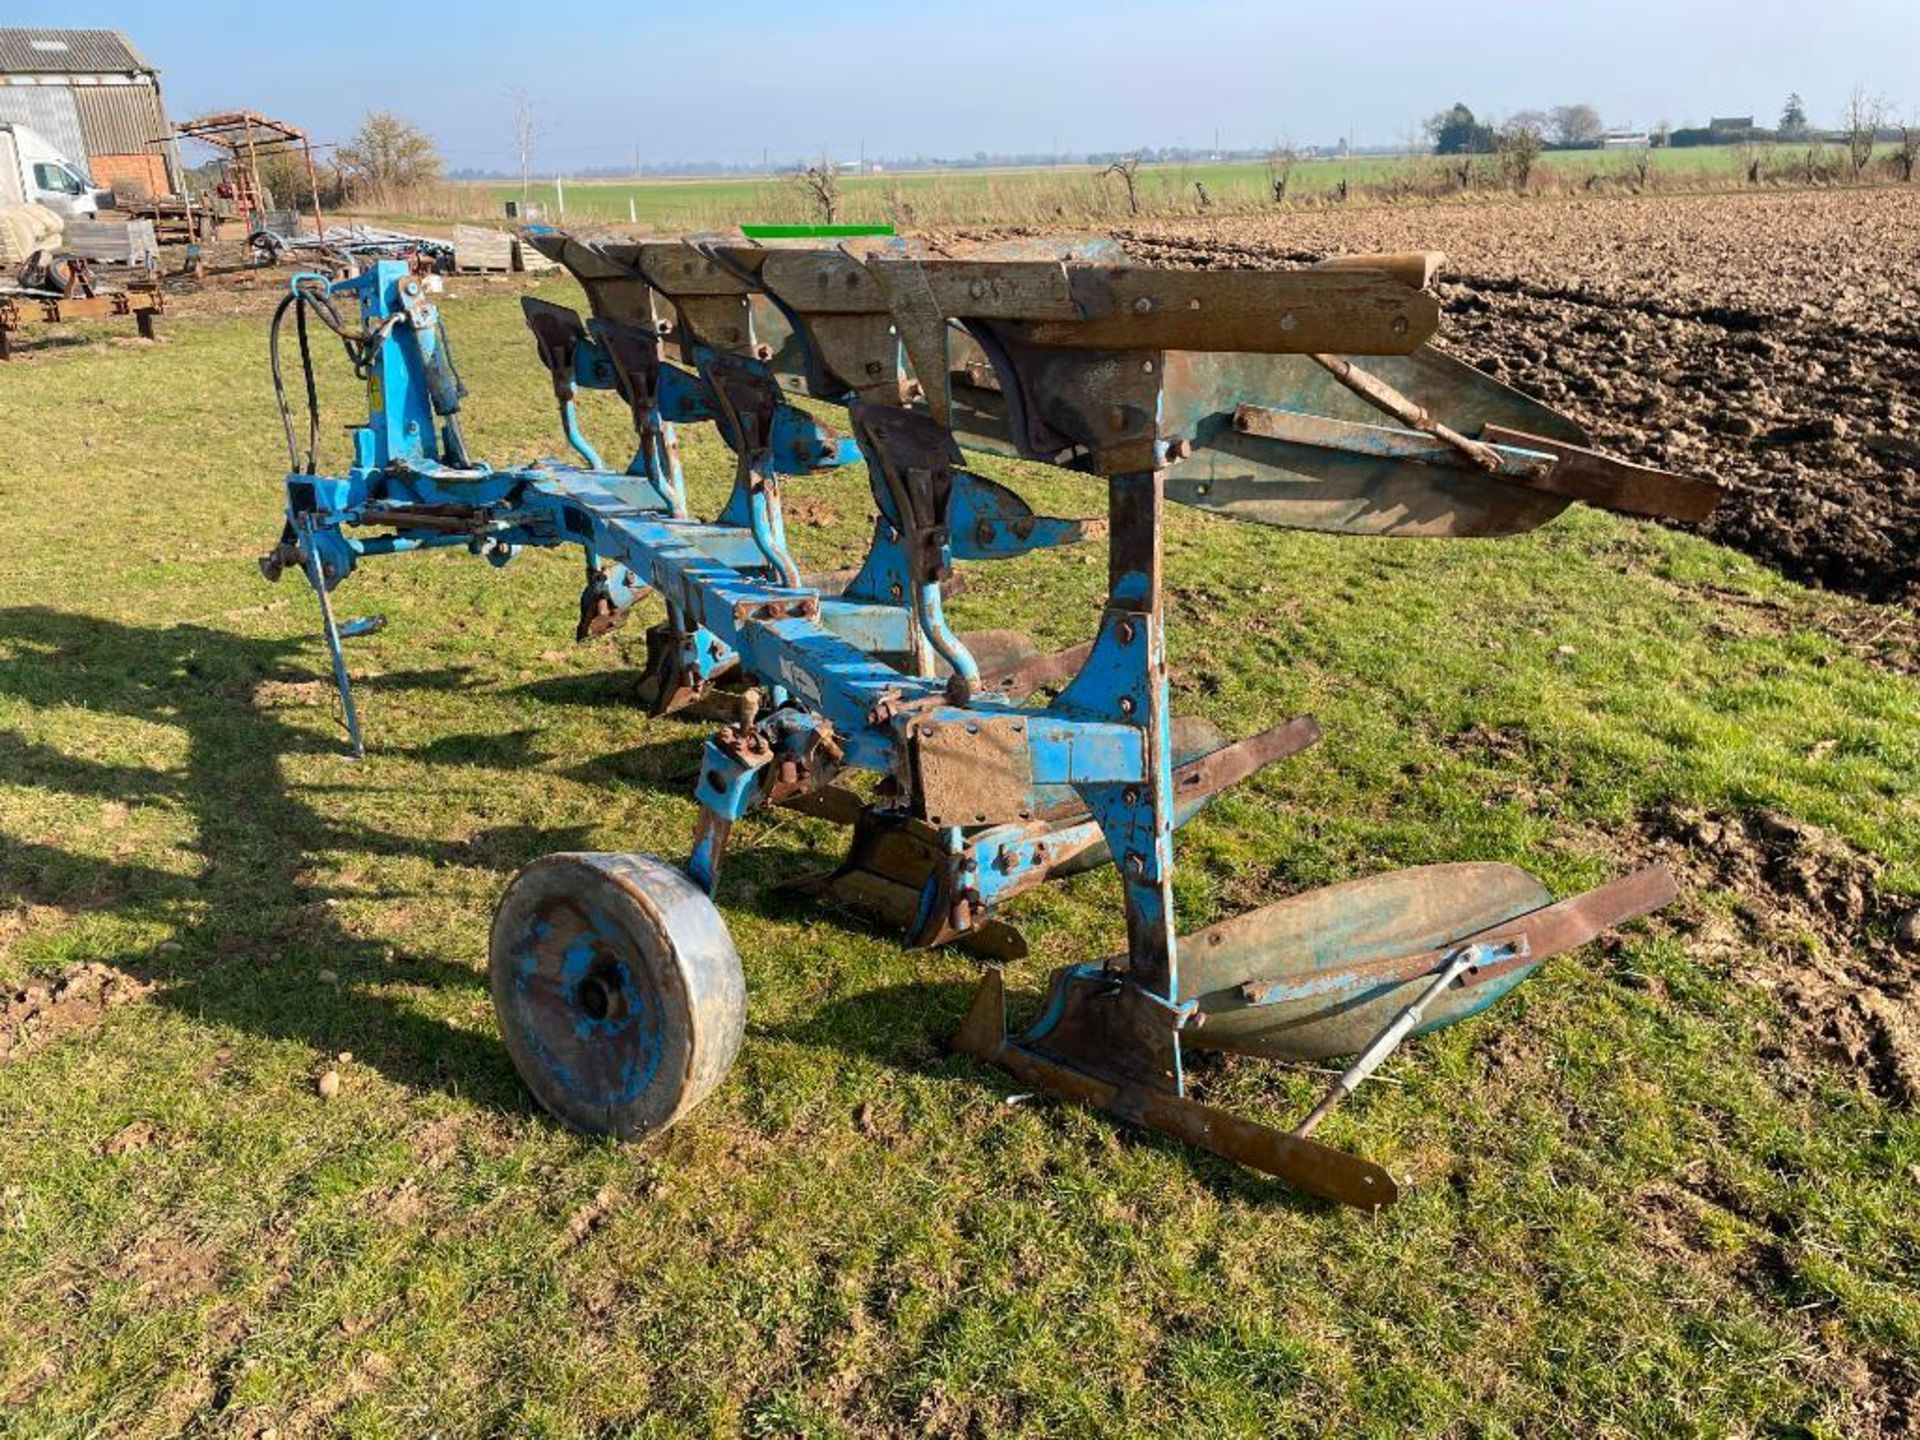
(32, 170)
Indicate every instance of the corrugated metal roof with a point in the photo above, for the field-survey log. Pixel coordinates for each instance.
(67, 52)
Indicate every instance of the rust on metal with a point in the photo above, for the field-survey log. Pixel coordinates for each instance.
(1377, 392)
(1586, 474)
(975, 772)
(1308, 1165)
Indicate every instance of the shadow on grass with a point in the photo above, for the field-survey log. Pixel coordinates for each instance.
(254, 925)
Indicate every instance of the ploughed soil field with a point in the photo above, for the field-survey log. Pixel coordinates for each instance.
(1771, 341)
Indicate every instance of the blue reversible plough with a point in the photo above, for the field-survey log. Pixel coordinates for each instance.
(1305, 398)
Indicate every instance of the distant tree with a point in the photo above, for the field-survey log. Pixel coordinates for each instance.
(1909, 152)
(1457, 132)
(523, 131)
(1793, 118)
(821, 184)
(1574, 127)
(387, 155)
(1861, 124)
(1662, 135)
(1127, 167)
(1518, 143)
(1279, 170)
(1813, 164)
(900, 210)
(1538, 121)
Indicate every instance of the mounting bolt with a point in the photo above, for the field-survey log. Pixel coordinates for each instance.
(1143, 306)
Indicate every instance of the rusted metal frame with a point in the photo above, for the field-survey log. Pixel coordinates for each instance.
(19, 311)
(1118, 307)
(715, 332)
(927, 880)
(1382, 396)
(834, 304)
(1089, 410)
(1123, 1023)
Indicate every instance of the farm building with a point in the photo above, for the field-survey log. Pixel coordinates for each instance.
(93, 96)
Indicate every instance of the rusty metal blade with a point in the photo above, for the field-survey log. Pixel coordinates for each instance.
(1305, 1164)
(1304, 484)
(1300, 1006)
(1227, 766)
(1388, 442)
(1323, 942)
(833, 803)
(1033, 671)
(1611, 483)
(999, 652)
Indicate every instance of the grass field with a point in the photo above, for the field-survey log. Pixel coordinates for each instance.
(1638, 1201)
(962, 196)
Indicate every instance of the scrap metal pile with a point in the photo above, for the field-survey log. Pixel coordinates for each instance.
(345, 248)
(1306, 398)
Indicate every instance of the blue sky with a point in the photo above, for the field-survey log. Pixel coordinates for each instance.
(730, 81)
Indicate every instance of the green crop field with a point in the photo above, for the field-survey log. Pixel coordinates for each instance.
(962, 196)
(1640, 1198)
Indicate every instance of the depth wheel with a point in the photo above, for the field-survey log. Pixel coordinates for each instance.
(618, 990)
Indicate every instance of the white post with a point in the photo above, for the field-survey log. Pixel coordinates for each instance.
(559, 196)
(633, 215)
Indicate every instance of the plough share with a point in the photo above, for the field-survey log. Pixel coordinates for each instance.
(1305, 398)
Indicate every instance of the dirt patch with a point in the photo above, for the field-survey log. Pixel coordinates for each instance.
(140, 1135)
(48, 1009)
(1766, 340)
(1812, 927)
(809, 510)
(168, 1268)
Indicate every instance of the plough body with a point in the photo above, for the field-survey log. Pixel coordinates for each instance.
(997, 766)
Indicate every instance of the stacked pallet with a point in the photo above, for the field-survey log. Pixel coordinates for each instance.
(128, 243)
(527, 258)
(476, 250)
